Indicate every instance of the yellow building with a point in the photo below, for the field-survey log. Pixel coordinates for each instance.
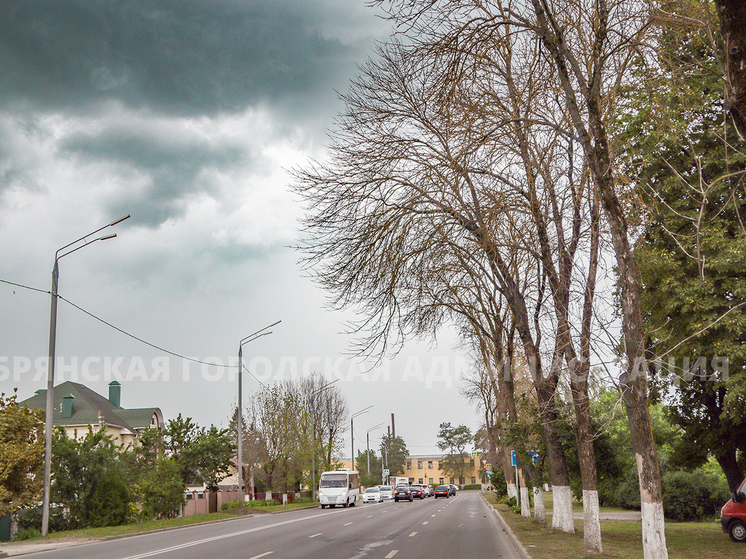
(426, 468)
(76, 407)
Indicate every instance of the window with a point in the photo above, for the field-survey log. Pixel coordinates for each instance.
(411, 481)
(429, 464)
(420, 481)
(409, 464)
(473, 480)
(430, 481)
(441, 481)
(451, 482)
(419, 464)
(471, 463)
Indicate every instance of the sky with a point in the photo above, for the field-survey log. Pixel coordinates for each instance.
(189, 116)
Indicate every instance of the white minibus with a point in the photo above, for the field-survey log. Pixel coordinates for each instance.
(339, 487)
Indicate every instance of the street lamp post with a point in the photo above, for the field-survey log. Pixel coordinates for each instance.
(313, 429)
(367, 443)
(239, 419)
(49, 421)
(352, 431)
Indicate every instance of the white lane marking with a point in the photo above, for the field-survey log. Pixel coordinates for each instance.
(342, 524)
(426, 521)
(314, 534)
(413, 534)
(431, 516)
(369, 516)
(223, 537)
(390, 555)
(261, 554)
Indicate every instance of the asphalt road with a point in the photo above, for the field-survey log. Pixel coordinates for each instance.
(429, 529)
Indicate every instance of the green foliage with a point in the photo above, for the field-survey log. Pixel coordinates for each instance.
(395, 453)
(21, 454)
(86, 476)
(688, 166)
(27, 534)
(454, 440)
(361, 465)
(108, 503)
(31, 518)
(472, 486)
(497, 479)
(693, 495)
(162, 490)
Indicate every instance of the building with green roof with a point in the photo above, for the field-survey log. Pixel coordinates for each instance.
(76, 407)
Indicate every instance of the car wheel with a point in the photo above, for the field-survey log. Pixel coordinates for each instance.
(737, 531)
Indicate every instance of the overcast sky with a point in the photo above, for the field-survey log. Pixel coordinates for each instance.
(188, 116)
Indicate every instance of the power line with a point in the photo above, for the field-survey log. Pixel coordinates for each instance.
(110, 325)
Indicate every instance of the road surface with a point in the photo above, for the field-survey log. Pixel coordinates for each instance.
(462, 526)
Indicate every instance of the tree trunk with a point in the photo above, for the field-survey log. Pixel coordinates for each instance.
(727, 460)
(732, 14)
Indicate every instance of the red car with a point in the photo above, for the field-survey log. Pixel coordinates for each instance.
(733, 515)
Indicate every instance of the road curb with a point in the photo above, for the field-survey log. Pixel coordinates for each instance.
(511, 536)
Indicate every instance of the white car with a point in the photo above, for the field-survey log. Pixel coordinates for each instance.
(387, 492)
(372, 495)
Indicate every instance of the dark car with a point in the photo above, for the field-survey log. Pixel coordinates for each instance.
(453, 489)
(417, 491)
(403, 492)
(442, 491)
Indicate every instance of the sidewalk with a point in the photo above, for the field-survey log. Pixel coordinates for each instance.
(12, 549)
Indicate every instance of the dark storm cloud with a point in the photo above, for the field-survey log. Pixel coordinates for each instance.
(168, 161)
(175, 57)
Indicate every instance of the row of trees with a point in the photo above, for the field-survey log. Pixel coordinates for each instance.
(287, 428)
(96, 482)
(497, 166)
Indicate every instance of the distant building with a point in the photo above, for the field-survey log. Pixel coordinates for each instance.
(76, 407)
(426, 469)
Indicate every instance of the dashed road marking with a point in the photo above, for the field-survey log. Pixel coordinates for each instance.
(347, 524)
(393, 552)
(262, 555)
(316, 535)
(426, 521)
(413, 534)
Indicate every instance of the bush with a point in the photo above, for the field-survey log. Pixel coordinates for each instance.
(31, 519)
(497, 479)
(693, 495)
(108, 503)
(303, 500)
(627, 494)
(472, 486)
(27, 534)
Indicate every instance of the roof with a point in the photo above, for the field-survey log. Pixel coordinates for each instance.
(87, 405)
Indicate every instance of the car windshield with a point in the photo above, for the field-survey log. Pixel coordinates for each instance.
(385, 488)
(373, 490)
(441, 488)
(334, 480)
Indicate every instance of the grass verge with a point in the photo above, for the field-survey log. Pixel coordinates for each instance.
(272, 508)
(622, 539)
(134, 528)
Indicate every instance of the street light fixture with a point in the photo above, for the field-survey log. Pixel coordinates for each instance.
(367, 443)
(239, 421)
(313, 430)
(352, 431)
(49, 422)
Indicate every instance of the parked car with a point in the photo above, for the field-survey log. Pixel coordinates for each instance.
(453, 489)
(431, 489)
(417, 491)
(403, 492)
(387, 492)
(733, 515)
(372, 495)
(442, 491)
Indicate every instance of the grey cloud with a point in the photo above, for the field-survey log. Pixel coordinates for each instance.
(176, 57)
(172, 164)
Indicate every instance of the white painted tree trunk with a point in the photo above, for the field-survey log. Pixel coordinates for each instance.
(525, 503)
(653, 531)
(540, 509)
(512, 491)
(591, 522)
(562, 512)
